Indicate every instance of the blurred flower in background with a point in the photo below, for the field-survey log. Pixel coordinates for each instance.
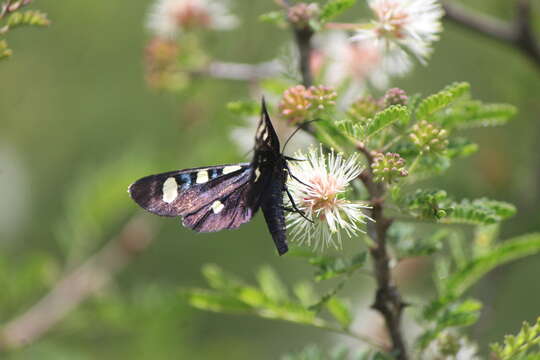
(169, 18)
(320, 193)
(160, 57)
(175, 52)
(451, 346)
(340, 62)
(403, 26)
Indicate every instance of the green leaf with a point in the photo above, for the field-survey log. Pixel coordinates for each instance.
(216, 302)
(461, 314)
(340, 311)
(428, 204)
(484, 238)
(460, 147)
(318, 306)
(333, 8)
(441, 100)
(275, 85)
(407, 243)
(479, 211)
(385, 118)
(219, 280)
(507, 251)
(274, 17)
(30, 17)
(271, 285)
(5, 52)
(517, 347)
(471, 113)
(305, 293)
(244, 108)
(292, 312)
(331, 267)
(351, 129)
(330, 135)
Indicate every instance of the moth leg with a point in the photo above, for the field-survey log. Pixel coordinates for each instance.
(295, 208)
(288, 158)
(295, 178)
(289, 209)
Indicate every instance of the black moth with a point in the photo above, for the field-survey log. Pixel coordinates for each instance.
(225, 196)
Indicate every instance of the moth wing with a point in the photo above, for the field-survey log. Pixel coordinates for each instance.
(266, 138)
(178, 193)
(231, 210)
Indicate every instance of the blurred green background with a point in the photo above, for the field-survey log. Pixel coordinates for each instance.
(78, 123)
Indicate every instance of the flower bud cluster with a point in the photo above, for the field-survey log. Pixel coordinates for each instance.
(367, 106)
(160, 61)
(364, 108)
(321, 97)
(395, 96)
(388, 167)
(299, 104)
(301, 14)
(429, 137)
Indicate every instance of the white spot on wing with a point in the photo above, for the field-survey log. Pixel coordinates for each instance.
(217, 206)
(230, 169)
(257, 174)
(170, 190)
(202, 177)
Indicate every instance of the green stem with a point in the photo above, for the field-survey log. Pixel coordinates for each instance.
(415, 163)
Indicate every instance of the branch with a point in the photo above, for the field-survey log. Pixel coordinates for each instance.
(302, 37)
(11, 6)
(388, 301)
(78, 285)
(519, 34)
(303, 41)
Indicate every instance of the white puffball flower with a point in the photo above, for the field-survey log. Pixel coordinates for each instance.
(319, 191)
(406, 25)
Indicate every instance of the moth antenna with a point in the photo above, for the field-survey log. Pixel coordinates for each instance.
(294, 133)
(288, 158)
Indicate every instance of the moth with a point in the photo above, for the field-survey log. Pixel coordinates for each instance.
(221, 197)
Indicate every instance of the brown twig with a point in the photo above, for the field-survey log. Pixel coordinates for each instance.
(302, 36)
(78, 285)
(303, 40)
(518, 34)
(11, 6)
(388, 300)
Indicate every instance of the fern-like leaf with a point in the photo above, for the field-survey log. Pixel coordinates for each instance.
(333, 8)
(507, 251)
(517, 347)
(479, 211)
(441, 100)
(472, 113)
(5, 52)
(385, 118)
(30, 18)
